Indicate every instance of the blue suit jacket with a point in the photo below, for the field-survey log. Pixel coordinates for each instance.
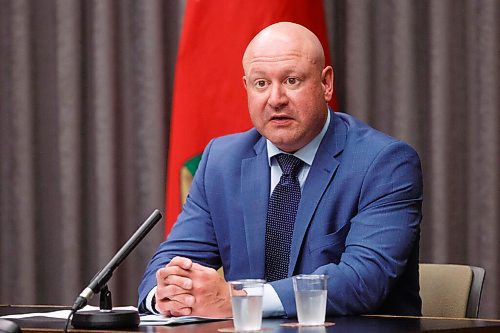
(358, 220)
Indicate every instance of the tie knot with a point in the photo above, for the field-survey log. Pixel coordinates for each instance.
(290, 165)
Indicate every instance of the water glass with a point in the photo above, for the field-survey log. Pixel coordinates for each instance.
(246, 299)
(310, 297)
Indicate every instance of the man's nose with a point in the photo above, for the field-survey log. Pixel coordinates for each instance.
(278, 97)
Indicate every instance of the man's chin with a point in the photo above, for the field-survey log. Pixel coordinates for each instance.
(285, 145)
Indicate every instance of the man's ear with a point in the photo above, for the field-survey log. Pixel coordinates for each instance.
(327, 77)
(244, 81)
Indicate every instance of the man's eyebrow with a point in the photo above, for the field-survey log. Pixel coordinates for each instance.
(258, 73)
(264, 73)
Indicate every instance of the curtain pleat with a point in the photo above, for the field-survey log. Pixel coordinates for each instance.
(482, 190)
(17, 179)
(85, 95)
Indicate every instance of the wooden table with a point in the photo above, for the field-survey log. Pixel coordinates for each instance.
(352, 324)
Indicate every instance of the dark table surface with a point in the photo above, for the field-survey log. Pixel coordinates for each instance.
(369, 324)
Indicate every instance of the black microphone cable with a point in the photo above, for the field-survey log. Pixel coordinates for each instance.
(68, 320)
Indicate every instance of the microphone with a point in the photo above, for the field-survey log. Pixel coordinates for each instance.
(102, 278)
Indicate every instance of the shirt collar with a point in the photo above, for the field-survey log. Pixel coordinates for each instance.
(306, 153)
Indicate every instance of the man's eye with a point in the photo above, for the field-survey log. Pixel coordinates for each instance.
(260, 83)
(292, 80)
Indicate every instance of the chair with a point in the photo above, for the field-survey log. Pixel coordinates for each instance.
(450, 290)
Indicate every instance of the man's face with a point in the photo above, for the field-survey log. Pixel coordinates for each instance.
(287, 95)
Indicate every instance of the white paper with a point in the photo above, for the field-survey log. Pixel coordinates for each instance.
(145, 319)
(162, 320)
(61, 314)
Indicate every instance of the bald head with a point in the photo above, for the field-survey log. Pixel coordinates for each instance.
(281, 39)
(287, 84)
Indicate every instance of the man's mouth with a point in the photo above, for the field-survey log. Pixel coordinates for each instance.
(280, 118)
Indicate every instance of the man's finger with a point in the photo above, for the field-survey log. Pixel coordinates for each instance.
(176, 280)
(163, 274)
(186, 299)
(182, 312)
(184, 263)
(173, 308)
(170, 291)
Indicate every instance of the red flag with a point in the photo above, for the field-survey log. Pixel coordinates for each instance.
(209, 99)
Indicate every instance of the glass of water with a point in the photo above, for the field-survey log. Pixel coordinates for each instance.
(310, 297)
(246, 299)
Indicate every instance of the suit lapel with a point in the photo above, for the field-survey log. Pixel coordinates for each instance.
(255, 175)
(320, 176)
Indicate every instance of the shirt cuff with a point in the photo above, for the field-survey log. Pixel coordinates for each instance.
(271, 303)
(150, 303)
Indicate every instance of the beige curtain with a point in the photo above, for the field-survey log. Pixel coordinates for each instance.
(428, 72)
(84, 98)
(85, 94)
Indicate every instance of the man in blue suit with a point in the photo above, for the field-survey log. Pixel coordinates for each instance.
(357, 221)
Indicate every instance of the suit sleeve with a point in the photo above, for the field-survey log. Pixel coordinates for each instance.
(381, 238)
(192, 235)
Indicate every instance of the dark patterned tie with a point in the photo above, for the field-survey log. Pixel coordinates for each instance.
(281, 213)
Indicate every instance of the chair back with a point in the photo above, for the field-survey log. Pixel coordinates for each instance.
(450, 290)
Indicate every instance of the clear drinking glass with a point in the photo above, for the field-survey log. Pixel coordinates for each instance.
(310, 297)
(246, 299)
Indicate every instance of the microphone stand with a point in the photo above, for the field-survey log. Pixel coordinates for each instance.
(106, 317)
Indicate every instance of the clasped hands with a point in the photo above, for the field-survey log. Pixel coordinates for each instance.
(186, 288)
